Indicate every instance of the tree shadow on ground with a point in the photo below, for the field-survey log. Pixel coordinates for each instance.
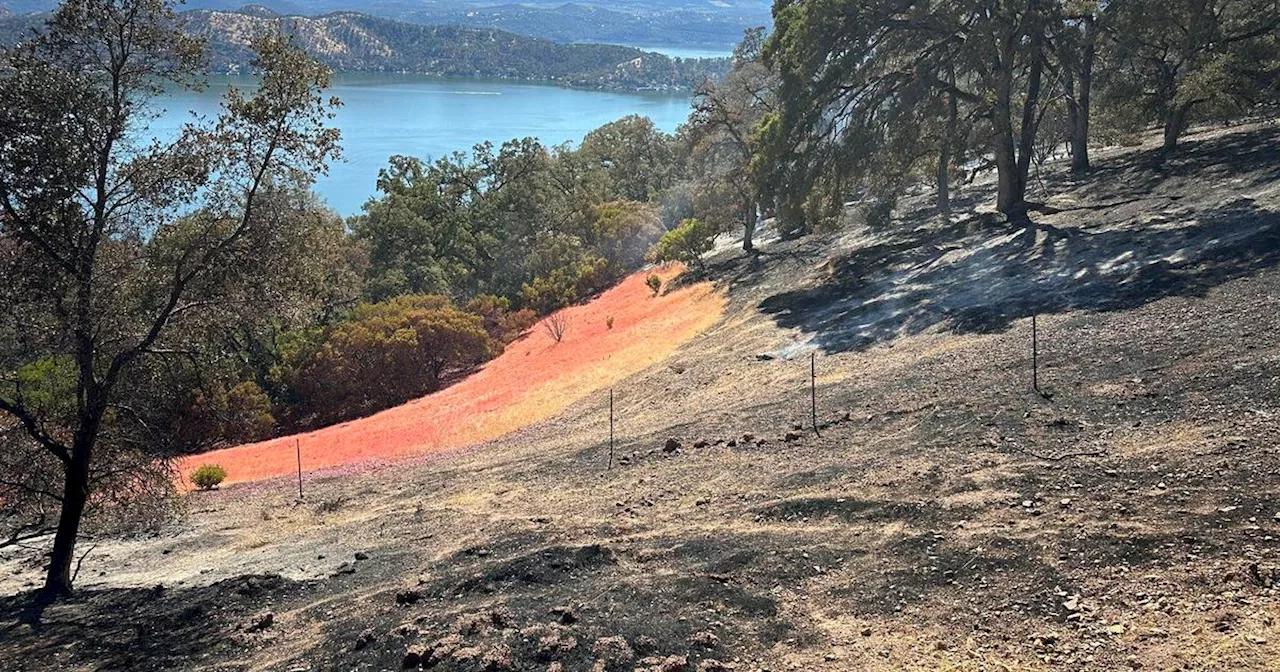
(137, 628)
(1113, 258)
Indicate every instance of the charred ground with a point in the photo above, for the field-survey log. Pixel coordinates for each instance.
(944, 515)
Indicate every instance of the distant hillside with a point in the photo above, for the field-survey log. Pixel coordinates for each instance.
(717, 24)
(353, 42)
(688, 24)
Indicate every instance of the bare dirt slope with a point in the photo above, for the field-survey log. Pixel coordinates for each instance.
(943, 516)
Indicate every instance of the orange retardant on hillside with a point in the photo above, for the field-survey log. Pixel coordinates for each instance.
(534, 379)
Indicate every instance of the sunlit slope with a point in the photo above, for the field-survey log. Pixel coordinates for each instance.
(534, 379)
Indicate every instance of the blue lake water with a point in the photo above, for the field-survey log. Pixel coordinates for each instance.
(415, 115)
(688, 52)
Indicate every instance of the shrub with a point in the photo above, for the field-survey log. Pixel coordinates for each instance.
(388, 353)
(500, 322)
(555, 325)
(208, 476)
(220, 416)
(565, 286)
(687, 243)
(521, 321)
(654, 283)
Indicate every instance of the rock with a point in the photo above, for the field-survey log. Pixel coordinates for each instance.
(365, 639)
(733, 443)
(261, 623)
(498, 659)
(659, 664)
(502, 617)
(793, 435)
(449, 646)
(701, 443)
(1116, 629)
(566, 615)
(1072, 603)
(361, 555)
(414, 656)
(555, 645)
(705, 639)
(613, 651)
(645, 644)
(748, 438)
(674, 664)
(671, 446)
(713, 665)
(468, 656)
(407, 597)
(344, 568)
(866, 632)
(764, 357)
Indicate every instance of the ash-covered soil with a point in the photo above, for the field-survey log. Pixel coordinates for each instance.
(943, 514)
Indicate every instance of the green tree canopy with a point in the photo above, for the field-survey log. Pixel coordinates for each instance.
(101, 273)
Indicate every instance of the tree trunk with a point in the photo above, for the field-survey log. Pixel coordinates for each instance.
(944, 181)
(749, 224)
(1011, 183)
(944, 156)
(75, 495)
(1072, 100)
(1013, 161)
(1030, 125)
(1175, 122)
(1082, 104)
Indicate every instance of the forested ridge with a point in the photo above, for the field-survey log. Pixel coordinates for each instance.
(355, 42)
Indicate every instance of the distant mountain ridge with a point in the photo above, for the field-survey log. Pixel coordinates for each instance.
(355, 42)
(350, 41)
(714, 24)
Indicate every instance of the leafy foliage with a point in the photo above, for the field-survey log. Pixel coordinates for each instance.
(685, 243)
(208, 476)
(1177, 59)
(654, 283)
(541, 228)
(385, 354)
(154, 244)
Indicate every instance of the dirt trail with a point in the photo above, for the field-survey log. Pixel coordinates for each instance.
(944, 516)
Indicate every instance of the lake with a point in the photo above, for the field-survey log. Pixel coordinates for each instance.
(417, 115)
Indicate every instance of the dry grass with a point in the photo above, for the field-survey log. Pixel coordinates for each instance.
(920, 531)
(537, 377)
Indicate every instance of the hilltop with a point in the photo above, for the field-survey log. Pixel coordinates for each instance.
(942, 515)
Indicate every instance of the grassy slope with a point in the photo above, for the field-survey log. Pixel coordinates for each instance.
(534, 379)
(946, 518)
